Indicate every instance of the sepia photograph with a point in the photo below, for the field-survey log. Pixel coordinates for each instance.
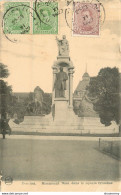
(60, 95)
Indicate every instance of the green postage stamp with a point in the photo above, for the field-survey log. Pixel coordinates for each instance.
(45, 18)
(17, 18)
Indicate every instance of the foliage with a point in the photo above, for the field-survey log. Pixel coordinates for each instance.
(47, 103)
(3, 71)
(5, 91)
(17, 108)
(26, 105)
(105, 88)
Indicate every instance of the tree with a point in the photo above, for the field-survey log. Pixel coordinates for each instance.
(5, 99)
(105, 88)
(5, 91)
(3, 71)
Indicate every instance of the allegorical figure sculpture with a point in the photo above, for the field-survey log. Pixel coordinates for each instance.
(60, 83)
(35, 104)
(38, 100)
(63, 46)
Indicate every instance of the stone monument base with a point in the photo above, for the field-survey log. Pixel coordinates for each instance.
(92, 125)
(46, 125)
(63, 112)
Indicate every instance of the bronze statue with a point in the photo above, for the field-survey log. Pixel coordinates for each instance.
(60, 83)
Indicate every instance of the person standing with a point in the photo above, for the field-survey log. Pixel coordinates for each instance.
(5, 127)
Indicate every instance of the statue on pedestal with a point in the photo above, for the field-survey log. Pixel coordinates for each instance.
(63, 46)
(38, 100)
(60, 83)
(35, 105)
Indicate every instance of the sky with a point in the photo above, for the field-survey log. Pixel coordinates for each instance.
(31, 58)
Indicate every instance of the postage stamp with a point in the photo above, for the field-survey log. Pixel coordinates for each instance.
(16, 18)
(86, 18)
(45, 18)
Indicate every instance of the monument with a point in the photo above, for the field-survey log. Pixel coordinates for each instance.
(62, 94)
(62, 118)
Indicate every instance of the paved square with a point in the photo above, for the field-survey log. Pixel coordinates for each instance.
(56, 160)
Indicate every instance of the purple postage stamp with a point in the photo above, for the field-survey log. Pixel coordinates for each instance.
(86, 18)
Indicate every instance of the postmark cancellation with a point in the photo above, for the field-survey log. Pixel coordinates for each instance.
(16, 18)
(32, 16)
(41, 17)
(45, 18)
(86, 18)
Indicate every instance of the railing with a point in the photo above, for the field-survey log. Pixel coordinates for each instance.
(110, 147)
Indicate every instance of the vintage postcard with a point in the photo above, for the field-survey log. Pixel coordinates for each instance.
(60, 95)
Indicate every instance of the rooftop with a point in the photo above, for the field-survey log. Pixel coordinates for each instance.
(85, 75)
(84, 82)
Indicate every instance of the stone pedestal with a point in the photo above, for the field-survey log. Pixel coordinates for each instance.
(61, 109)
(63, 105)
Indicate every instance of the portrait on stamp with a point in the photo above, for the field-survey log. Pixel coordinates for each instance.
(86, 19)
(16, 18)
(46, 22)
